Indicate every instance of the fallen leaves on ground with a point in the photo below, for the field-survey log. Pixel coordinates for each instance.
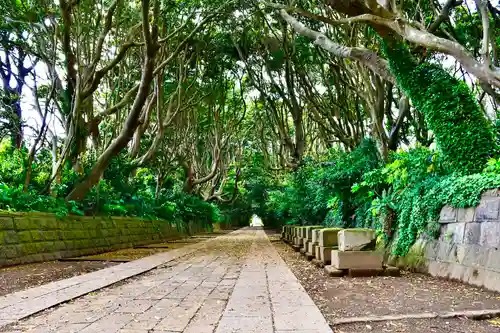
(495, 322)
(410, 293)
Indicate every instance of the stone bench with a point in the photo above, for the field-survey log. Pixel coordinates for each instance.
(293, 234)
(356, 259)
(298, 238)
(298, 241)
(327, 241)
(357, 240)
(287, 233)
(311, 252)
(313, 244)
(307, 237)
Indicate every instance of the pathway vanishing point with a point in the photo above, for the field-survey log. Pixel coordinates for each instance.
(232, 283)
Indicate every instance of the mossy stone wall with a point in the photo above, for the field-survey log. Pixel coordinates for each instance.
(35, 237)
(468, 248)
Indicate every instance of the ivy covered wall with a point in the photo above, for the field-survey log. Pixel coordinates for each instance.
(468, 246)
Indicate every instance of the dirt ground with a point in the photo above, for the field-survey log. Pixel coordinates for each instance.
(21, 277)
(411, 293)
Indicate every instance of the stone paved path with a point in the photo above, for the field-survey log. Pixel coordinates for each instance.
(233, 283)
(22, 304)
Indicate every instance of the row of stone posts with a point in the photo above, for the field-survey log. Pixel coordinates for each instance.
(339, 251)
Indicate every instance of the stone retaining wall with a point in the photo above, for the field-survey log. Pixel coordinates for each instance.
(35, 237)
(468, 248)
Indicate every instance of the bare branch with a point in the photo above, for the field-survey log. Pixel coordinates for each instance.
(482, 6)
(481, 71)
(364, 56)
(126, 99)
(444, 14)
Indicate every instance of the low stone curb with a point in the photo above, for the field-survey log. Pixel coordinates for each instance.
(470, 314)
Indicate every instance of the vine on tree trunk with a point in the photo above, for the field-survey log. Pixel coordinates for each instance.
(462, 132)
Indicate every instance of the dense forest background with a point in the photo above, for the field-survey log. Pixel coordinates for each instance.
(365, 113)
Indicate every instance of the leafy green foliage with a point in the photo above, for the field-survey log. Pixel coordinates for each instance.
(469, 29)
(319, 192)
(493, 166)
(116, 194)
(420, 205)
(14, 199)
(416, 186)
(463, 134)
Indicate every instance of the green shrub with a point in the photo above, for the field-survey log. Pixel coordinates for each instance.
(319, 192)
(493, 166)
(14, 199)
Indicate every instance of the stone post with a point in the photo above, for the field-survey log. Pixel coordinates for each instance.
(308, 237)
(313, 244)
(357, 240)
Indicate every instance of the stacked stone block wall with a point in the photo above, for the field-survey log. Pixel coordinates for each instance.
(468, 248)
(35, 237)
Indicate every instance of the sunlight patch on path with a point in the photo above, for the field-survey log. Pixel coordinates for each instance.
(256, 221)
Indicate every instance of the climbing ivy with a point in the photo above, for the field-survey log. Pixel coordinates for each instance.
(463, 134)
(415, 185)
(419, 206)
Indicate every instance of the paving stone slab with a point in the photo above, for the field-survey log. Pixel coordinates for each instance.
(230, 324)
(22, 304)
(299, 318)
(191, 295)
(290, 306)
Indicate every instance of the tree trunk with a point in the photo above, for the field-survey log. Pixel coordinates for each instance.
(188, 183)
(132, 121)
(17, 124)
(160, 178)
(13, 97)
(404, 110)
(29, 168)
